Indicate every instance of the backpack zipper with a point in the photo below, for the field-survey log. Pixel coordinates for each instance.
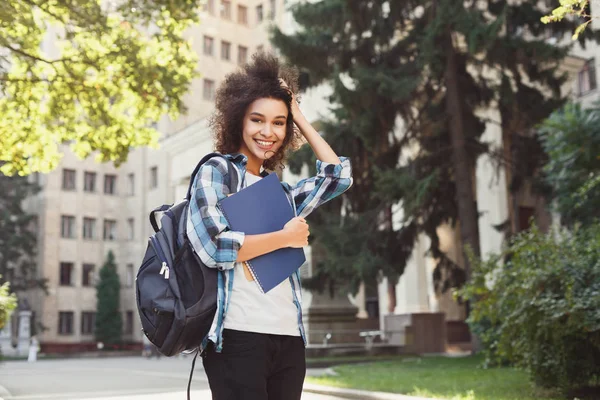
(164, 268)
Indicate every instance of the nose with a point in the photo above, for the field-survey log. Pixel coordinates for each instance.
(266, 130)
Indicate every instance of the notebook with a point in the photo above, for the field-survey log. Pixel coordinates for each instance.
(263, 208)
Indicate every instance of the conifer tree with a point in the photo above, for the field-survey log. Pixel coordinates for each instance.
(18, 241)
(436, 65)
(109, 323)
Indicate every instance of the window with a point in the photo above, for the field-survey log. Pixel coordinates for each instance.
(242, 15)
(225, 50)
(66, 274)
(225, 9)
(110, 229)
(129, 322)
(153, 177)
(209, 90)
(89, 228)
(65, 323)
(87, 276)
(209, 7)
(68, 179)
(89, 182)
(259, 14)
(88, 322)
(273, 9)
(242, 55)
(67, 226)
(587, 77)
(209, 44)
(131, 184)
(110, 184)
(129, 278)
(130, 229)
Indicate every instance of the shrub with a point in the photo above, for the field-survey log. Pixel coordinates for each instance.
(540, 307)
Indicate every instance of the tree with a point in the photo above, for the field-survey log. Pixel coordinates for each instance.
(18, 236)
(439, 65)
(8, 302)
(571, 138)
(571, 8)
(92, 73)
(109, 324)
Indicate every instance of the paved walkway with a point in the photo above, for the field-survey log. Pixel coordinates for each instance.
(132, 378)
(128, 378)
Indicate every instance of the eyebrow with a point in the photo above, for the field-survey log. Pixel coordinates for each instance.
(260, 115)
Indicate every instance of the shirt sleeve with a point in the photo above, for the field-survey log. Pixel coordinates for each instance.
(208, 231)
(331, 181)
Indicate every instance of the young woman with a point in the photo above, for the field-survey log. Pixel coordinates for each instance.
(255, 348)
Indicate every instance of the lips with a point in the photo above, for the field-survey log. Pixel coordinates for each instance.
(264, 144)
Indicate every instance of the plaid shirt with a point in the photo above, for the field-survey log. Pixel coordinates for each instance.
(217, 245)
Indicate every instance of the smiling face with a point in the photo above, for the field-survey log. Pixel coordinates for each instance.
(264, 131)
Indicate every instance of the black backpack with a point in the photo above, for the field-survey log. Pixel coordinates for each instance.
(176, 294)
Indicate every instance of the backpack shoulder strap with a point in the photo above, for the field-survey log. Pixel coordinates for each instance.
(231, 173)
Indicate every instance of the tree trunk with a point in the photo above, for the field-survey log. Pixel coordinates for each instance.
(465, 199)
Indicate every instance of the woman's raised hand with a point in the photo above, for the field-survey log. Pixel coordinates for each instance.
(295, 107)
(297, 232)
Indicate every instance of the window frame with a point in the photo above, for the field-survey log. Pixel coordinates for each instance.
(70, 322)
(242, 10)
(88, 271)
(68, 231)
(112, 223)
(225, 10)
(69, 184)
(242, 50)
(90, 318)
(64, 276)
(259, 13)
(208, 46)
(225, 50)
(110, 184)
(89, 222)
(208, 84)
(588, 75)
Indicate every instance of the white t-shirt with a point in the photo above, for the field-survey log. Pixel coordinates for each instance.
(250, 310)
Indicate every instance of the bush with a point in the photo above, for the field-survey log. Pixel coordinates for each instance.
(540, 309)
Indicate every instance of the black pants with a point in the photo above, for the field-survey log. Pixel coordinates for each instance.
(256, 366)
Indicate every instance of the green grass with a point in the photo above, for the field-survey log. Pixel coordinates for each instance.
(437, 377)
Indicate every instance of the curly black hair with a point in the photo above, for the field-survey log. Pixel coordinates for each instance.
(255, 80)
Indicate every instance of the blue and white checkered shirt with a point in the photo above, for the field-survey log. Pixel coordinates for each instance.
(217, 245)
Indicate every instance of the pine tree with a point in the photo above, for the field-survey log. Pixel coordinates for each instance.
(439, 65)
(109, 323)
(18, 242)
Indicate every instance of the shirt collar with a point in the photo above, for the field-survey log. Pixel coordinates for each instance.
(238, 157)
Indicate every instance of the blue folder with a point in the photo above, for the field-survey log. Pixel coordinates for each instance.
(263, 207)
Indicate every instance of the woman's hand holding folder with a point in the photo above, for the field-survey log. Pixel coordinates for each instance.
(298, 232)
(294, 234)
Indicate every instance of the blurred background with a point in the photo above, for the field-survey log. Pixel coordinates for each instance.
(470, 233)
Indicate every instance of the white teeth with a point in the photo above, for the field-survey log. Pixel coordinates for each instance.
(264, 143)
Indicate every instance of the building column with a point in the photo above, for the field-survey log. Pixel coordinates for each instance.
(24, 333)
(6, 338)
(327, 319)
